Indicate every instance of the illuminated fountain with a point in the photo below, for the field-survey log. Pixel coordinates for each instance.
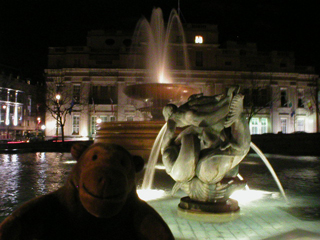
(153, 49)
(158, 95)
(153, 43)
(151, 55)
(204, 158)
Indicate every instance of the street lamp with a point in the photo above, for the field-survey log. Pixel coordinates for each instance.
(58, 97)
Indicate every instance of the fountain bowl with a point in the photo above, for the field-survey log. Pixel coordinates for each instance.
(136, 137)
(160, 91)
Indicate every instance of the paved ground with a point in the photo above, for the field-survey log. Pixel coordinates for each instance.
(268, 218)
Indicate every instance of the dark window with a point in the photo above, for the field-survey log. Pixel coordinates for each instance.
(243, 52)
(263, 98)
(180, 58)
(103, 95)
(284, 97)
(20, 97)
(247, 97)
(257, 97)
(127, 42)
(300, 98)
(12, 96)
(178, 38)
(110, 41)
(3, 94)
(199, 59)
(76, 94)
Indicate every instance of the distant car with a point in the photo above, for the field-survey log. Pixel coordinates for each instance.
(34, 136)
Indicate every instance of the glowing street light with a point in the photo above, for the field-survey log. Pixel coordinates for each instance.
(58, 97)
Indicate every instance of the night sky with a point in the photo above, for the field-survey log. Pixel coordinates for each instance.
(29, 27)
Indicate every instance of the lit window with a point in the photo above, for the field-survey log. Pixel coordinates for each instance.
(258, 126)
(104, 118)
(75, 124)
(300, 125)
(283, 122)
(264, 125)
(198, 39)
(254, 126)
(93, 124)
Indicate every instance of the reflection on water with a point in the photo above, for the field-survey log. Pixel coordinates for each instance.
(299, 175)
(27, 175)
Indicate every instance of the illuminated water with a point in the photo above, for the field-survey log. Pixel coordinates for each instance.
(154, 41)
(271, 170)
(27, 175)
(154, 155)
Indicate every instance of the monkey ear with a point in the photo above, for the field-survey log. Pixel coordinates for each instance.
(138, 163)
(77, 149)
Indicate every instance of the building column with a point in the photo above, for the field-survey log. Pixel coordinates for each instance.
(7, 114)
(15, 119)
(7, 122)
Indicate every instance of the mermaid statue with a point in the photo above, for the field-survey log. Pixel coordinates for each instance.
(204, 158)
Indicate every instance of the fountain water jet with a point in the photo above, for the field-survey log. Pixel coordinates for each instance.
(271, 170)
(154, 43)
(154, 155)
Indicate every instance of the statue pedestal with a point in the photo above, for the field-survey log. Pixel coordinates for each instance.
(209, 211)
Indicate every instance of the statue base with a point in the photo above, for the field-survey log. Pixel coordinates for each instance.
(209, 211)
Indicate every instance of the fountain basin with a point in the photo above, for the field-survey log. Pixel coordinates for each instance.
(136, 137)
(160, 92)
(217, 212)
(159, 95)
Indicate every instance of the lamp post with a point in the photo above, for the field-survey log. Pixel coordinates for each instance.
(58, 97)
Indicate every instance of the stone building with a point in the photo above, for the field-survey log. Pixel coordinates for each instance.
(19, 105)
(279, 95)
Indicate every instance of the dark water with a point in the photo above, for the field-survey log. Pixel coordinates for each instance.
(27, 175)
(299, 175)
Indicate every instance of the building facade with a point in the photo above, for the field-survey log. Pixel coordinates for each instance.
(280, 96)
(19, 107)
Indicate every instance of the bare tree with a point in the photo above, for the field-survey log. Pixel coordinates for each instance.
(258, 95)
(59, 102)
